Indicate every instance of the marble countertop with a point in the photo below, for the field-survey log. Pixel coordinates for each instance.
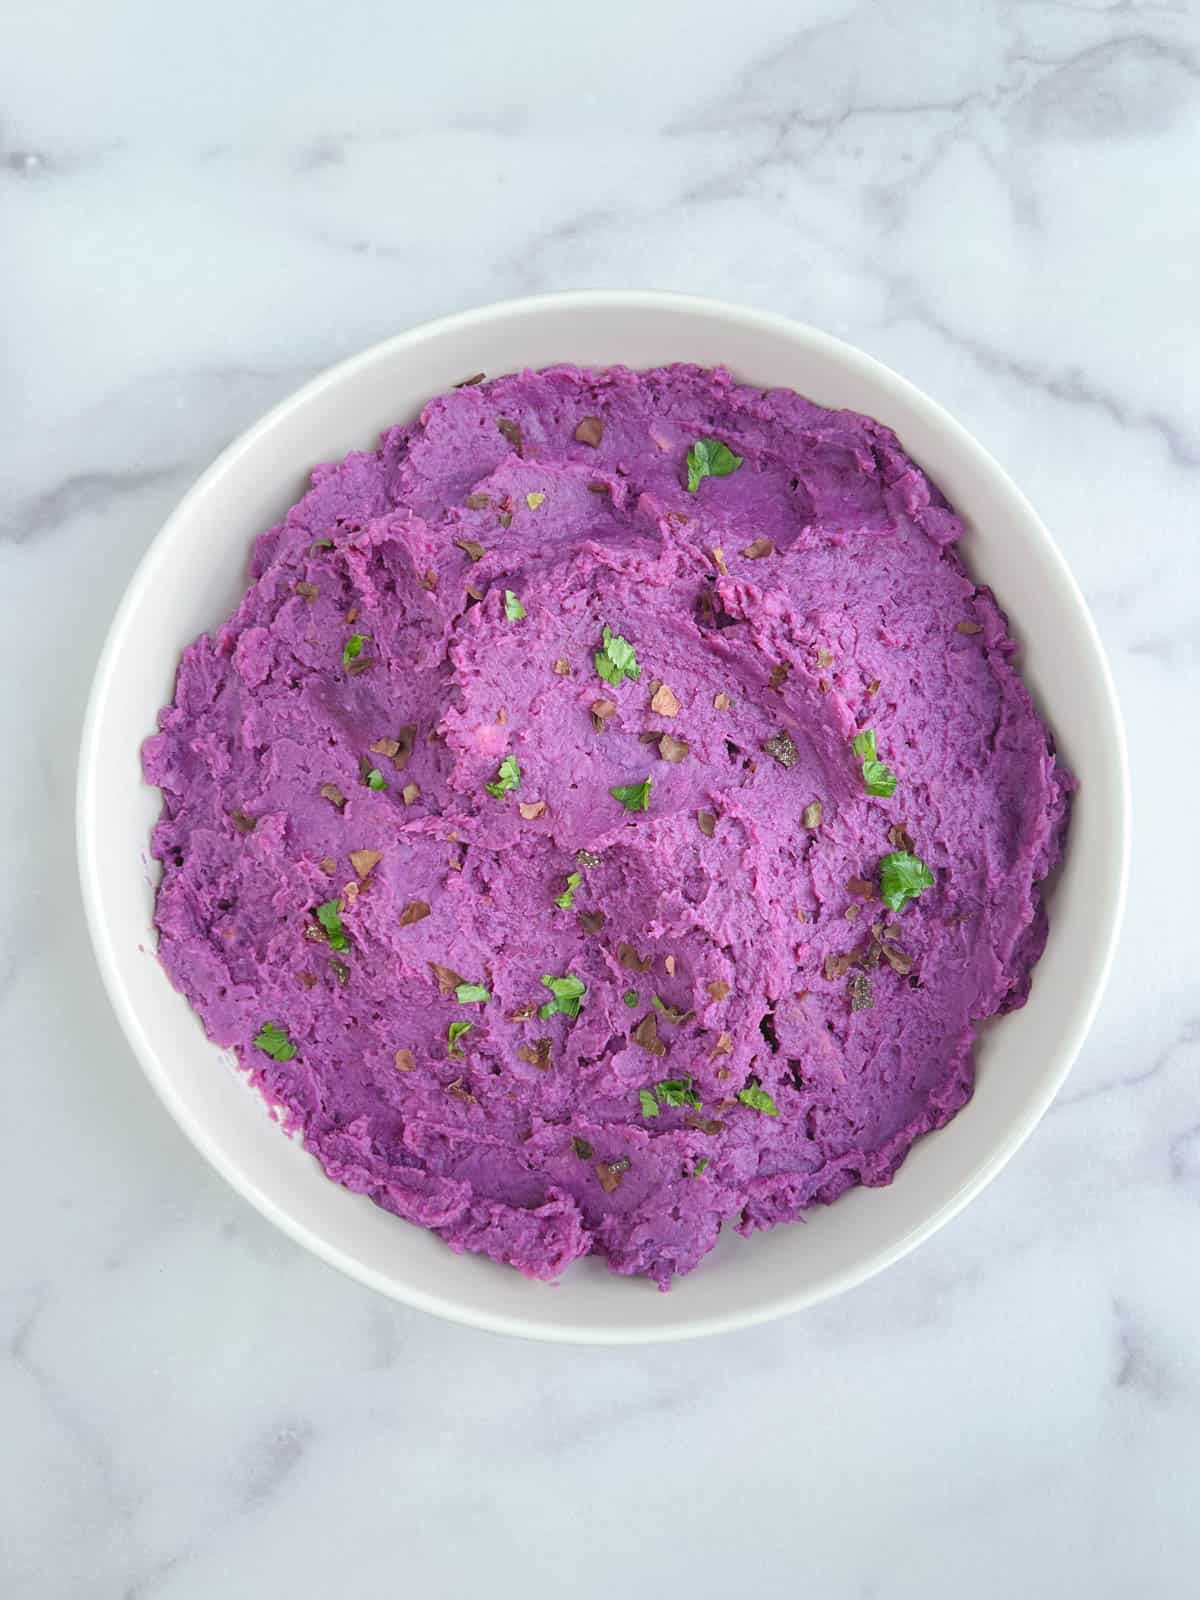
(202, 207)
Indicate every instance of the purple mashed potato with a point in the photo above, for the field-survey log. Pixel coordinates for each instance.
(758, 1031)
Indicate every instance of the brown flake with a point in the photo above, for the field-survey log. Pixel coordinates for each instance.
(599, 487)
(724, 1045)
(414, 911)
(562, 667)
(900, 838)
(331, 792)
(308, 590)
(327, 864)
(757, 549)
(959, 627)
(505, 519)
(340, 971)
(646, 1034)
(837, 966)
(664, 702)
(863, 888)
(349, 894)
(471, 548)
(601, 711)
(531, 809)
(582, 1148)
(610, 1173)
(707, 823)
(873, 687)
(669, 963)
(351, 615)
(718, 989)
(810, 817)
(673, 750)
(523, 1013)
(536, 1054)
(709, 1125)
(781, 746)
(363, 860)
(385, 747)
(590, 431)
(447, 979)
(477, 502)
(410, 794)
(824, 658)
(591, 921)
(429, 581)
(852, 912)
(718, 556)
(722, 702)
(512, 432)
(405, 1060)
(587, 858)
(242, 822)
(631, 961)
(460, 1093)
(307, 980)
(779, 675)
(896, 957)
(724, 1074)
(469, 383)
(823, 685)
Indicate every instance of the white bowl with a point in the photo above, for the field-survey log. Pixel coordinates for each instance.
(194, 574)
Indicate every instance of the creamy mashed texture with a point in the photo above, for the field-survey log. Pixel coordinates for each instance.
(609, 814)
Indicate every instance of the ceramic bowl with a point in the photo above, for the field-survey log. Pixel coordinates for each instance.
(194, 574)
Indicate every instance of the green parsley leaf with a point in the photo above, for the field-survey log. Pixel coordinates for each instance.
(471, 994)
(877, 777)
(376, 779)
(618, 659)
(322, 544)
(631, 997)
(564, 900)
(352, 649)
(568, 992)
(699, 1165)
(710, 458)
(274, 1040)
(649, 1103)
(757, 1098)
(901, 878)
(513, 609)
(453, 1034)
(508, 776)
(633, 796)
(329, 915)
(677, 1092)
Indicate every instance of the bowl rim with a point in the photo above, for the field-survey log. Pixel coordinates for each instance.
(688, 1327)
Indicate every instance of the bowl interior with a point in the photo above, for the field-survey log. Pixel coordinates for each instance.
(194, 575)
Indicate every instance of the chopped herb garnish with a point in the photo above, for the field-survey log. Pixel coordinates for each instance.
(513, 609)
(568, 993)
(321, 544)
(375, 779)
(617, 659)
(352, 649)
(757, 1098)
(508, 777)
(329, 916)
(471, 994)
(699, 1165)
(710, 458)
(648, 1102)
(902, 877)
(878, 778)
(534, 500)
(633, 796)
(453, 1034)
(630, 997)
(563, 900)
(677, 1092)
(582, 1148)
(275, 1042)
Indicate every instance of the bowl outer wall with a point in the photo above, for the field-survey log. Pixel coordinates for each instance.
(194, 574)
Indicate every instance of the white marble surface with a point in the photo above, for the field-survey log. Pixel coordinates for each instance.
(203, 205)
